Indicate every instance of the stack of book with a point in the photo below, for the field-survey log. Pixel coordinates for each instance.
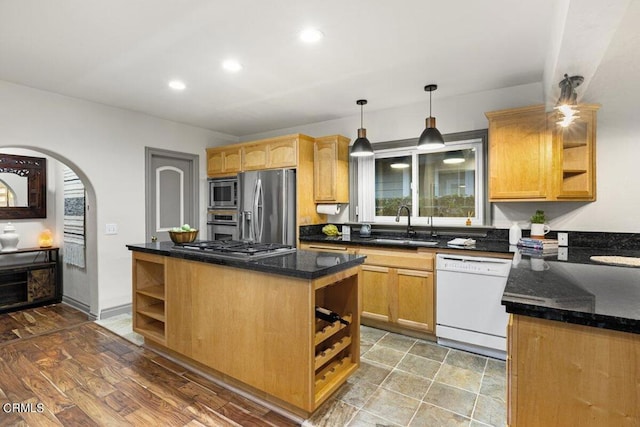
(538, 247)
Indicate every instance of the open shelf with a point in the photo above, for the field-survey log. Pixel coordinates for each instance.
(149, 296)
(156, 291)
(328, 331)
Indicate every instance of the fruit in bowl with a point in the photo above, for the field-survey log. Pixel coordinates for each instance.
(183, 234)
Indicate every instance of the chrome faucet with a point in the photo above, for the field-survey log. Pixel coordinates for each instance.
(410, 231)
(433, 232)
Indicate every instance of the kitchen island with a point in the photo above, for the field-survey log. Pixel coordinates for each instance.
(573, 340)
(251, 323)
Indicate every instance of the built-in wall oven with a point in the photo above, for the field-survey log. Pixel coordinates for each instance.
(223, 193)
(222, 225)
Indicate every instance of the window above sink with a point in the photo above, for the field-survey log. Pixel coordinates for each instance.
(448, 184)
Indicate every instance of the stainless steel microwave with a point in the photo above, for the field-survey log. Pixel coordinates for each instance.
(223, 193)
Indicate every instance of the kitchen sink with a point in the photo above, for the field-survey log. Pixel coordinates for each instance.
(407, 242)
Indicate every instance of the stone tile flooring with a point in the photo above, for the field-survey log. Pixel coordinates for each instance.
(404, 381)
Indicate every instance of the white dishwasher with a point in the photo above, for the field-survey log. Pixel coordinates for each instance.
(469, 315)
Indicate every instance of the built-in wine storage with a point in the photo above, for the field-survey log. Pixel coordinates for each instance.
(337, 345)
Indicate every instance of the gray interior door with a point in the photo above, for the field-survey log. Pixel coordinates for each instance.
(171, 192)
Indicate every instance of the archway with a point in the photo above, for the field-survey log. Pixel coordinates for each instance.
(80, 286)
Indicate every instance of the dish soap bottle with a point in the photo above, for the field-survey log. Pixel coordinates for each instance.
(515, 234)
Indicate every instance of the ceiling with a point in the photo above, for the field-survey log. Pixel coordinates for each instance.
(123, 53)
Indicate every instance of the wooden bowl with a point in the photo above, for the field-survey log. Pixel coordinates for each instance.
(183, 236)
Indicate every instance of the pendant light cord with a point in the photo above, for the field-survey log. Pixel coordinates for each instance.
(361, 115)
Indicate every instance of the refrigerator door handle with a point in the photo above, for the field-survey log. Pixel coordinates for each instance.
(258, 202)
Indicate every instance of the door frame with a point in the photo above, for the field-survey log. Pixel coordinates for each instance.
(194, 161)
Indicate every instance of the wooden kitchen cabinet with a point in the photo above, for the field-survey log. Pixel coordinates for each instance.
(331, 169)
(531, 158)
(274, 153)
(398, 289)
(257, 330)
(519, 154)
(223, 161)
(561, 374)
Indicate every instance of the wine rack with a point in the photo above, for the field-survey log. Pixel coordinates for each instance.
(337, 345)
(149, 296)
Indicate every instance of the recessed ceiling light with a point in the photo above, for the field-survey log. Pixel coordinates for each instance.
(311, 35)
(232, 65)
(177, 85)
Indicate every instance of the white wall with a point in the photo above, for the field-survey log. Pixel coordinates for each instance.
(618, 146)
(105, 147)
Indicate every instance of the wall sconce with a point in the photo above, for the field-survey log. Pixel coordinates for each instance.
(567, 103)
(45, 239)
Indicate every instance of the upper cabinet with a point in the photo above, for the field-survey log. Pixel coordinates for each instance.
(331, 169)
(224, 161)
(531, 158)
(271, 154)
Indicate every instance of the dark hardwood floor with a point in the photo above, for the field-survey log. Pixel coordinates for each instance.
(57, 368)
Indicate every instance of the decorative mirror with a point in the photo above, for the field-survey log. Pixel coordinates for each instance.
(23, 187)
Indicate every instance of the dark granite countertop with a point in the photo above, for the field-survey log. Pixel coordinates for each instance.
(482, 245)
(565, 286)
(301, 264)
(569, 287)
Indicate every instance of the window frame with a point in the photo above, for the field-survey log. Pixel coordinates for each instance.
(387, 149)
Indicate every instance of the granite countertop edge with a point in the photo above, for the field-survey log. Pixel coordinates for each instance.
(300, 264)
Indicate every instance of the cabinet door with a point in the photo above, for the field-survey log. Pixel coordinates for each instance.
(415, 299)
(519, 154)
(215, 162)
(254, 157)
(375, 292)
(283, 154)
(331, 169)
(325, 155)
(223, 161)
(232, 162)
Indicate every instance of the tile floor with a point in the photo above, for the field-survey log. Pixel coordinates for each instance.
(403, 381)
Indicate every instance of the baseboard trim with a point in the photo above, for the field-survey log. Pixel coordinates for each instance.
(78, 305)
(115, 311)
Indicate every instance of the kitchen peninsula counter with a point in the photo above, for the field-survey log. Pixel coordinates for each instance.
(573, 340)
(251, 324)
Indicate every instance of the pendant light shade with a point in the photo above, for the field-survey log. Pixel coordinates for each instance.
(361, 147)
(431, 137)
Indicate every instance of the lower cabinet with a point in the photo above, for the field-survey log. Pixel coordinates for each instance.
(398, 289)
(563, 374)
(255, 331)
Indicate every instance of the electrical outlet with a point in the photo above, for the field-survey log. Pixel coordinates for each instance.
(111, 229)
(563, 239)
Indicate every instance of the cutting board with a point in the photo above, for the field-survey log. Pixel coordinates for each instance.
(617, 260)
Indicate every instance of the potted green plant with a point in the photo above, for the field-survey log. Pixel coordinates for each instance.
(538, 226)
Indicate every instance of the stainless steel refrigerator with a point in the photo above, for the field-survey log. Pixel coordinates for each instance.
(267, 206)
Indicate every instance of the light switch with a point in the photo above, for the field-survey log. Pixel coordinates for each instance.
(111, 229)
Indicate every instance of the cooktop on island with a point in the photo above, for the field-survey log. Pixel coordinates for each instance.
(234, 249)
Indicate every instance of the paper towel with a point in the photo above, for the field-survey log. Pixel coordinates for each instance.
(329, 209)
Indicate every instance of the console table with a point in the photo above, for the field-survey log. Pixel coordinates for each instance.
(29, 277)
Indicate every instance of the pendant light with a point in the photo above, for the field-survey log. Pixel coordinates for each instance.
(361, 147)
(431, 137)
